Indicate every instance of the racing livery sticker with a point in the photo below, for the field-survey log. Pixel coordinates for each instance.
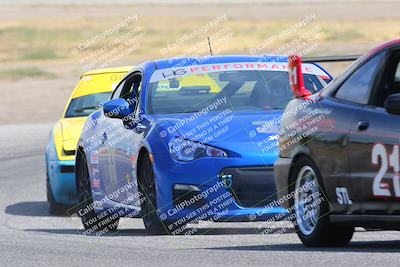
(94, 157)
(379, 154)
(96, 183)
(343, 197)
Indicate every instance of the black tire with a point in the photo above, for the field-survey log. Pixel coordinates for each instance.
(54, 207)
(318, 231)
(147, 186)
(90, 220)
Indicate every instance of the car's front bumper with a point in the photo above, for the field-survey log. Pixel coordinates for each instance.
(231, 189)
(62, 181)
(281, 173)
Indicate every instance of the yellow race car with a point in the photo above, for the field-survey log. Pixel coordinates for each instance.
(93, 89)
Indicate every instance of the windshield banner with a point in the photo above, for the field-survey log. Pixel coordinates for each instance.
(170, 73)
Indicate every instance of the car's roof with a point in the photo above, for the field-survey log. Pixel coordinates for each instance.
(100, 81)
(189, 61)
(108, 70)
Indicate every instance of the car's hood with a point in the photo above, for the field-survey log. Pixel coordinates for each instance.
(242, 132)
(71, 131)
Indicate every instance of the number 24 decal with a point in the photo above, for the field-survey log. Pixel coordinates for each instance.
(391, 161)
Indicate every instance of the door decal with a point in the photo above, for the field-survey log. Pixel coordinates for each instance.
(379, 154)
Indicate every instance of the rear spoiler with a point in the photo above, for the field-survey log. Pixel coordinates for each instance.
(331, 58)
(296, 73)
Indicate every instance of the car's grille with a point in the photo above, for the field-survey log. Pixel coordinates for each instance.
(69, 152)
(251, 186)
(67, 169)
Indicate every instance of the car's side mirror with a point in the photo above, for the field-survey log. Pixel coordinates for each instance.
(392, 104)
(117, 108)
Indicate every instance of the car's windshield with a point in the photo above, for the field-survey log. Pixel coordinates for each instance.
(192, 89)
(84, 105)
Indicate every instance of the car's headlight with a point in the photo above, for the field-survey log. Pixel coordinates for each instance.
(186, 150)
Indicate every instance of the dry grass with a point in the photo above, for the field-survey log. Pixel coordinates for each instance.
(25, 73)
(42, 40)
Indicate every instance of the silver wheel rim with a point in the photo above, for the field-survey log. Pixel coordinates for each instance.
(306, 200)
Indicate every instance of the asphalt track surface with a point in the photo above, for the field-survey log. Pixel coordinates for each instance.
(30, 236)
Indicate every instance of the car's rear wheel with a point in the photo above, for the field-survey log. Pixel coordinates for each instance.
(90, 219)
(152, 222)
(311, 209)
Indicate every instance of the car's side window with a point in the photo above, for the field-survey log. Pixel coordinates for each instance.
(138, 103)
(117, 90)
(358, 86)
(390, 83)
(397, 74)
(131, 89)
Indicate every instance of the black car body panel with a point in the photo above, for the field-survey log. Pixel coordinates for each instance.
(352, 138)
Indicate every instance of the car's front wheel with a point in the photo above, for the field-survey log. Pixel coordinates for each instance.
(92, 222)
(311, 209)
(152, 222)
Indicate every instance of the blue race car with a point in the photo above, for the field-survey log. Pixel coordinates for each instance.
(184, 140)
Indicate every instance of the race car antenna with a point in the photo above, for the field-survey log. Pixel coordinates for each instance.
(209, 45)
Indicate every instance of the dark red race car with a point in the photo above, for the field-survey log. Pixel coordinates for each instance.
(339, 150)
